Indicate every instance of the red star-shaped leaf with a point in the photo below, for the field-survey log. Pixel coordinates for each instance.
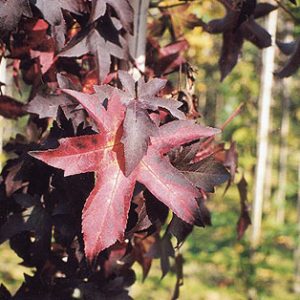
(138, 127)
(106, 209)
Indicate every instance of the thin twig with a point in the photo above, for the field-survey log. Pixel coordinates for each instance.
(233, 115)
(156, 5)
(287, 11)
(230, 118)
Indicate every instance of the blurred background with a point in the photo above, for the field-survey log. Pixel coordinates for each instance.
(217, 265)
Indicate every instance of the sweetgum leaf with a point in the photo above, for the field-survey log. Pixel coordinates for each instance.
(244, 220)
(163, 249)
(10, 108)
(122, 8)
(14, 225)
(166, 183)
(238, 24)
(100, 153)
(180, 132)
(256, 34)
(263, 8)
(105, 212)
(293, 63)
(247, 9)
(206, 174)
(53, 13)
(286, 48)
(92, 41)
(46, 106)
(11, 13)
(138, 127)
(231, 49)
(145, 93)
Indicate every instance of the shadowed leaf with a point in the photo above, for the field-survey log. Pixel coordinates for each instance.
(206, 174)
(244, 220)
(10, 108)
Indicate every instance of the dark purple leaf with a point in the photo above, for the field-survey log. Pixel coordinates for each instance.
(231, 49)
(10, 108)
(244, 220)
(4, 293)
(12, 183)
(246, 11)
(11, 12)
(93, 42)
(122, 8)
(205, 174)
(138, 127)
(256, 34)
(53, 13)
(46, 106)
(14, 225)
(263, 9)
(293, 63)
(179, 275)
(286, 48)
(180, 229)
(162, 249)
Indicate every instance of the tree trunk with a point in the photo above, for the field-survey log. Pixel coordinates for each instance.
(263, 130)
(283, 156)
(297, 248)
(137, 42)
(3, 80)
(267, 207)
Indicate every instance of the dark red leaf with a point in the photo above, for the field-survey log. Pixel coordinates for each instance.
(122, 8)
(231, 160)
(138, 127)
(179, 229)
(142, 246)
(244, 220)
(238, 24)
(206, 174)
(179, 275)
(106, 209)
(14, 225)
(231, 49)
(10, 108)
(53, 13)
(11, 12)
(93, 42)
(46, 106)
(163, 249)
(12, 183)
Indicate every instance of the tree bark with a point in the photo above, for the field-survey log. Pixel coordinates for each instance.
(297, 248)
(137, 42)
(3, 80)
(283, 155)
(263, 130)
